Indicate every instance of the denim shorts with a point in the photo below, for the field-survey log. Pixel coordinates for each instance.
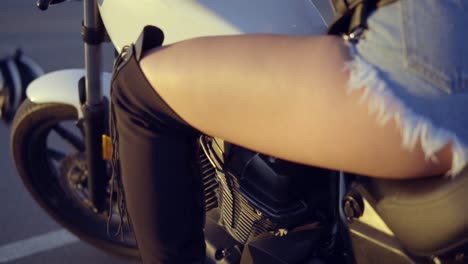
(412, 63)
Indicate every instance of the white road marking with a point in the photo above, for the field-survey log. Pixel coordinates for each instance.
(37, 244)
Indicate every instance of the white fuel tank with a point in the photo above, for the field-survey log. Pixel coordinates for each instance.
(183, 19)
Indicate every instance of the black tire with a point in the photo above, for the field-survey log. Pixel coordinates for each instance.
(44, 172)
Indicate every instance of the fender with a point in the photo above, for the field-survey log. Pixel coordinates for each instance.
(62, 87)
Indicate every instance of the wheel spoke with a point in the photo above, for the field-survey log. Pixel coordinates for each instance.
(55, 154)
(74, 141)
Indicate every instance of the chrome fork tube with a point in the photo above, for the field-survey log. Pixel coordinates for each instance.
(93, 55)
(95, 107)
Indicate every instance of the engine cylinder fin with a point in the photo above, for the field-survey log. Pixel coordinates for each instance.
(241, 220)
(221, 188)
(210, 184)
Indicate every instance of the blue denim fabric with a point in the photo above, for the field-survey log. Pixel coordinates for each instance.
(413, 63)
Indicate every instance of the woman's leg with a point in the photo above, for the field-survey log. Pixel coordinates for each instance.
(283, 96)
(159, 173)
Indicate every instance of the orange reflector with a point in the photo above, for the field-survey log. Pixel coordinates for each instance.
(106, 147)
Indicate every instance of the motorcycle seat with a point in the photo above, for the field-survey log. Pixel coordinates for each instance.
(428, 216)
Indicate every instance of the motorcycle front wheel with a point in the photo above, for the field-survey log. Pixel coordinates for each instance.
(49, 153)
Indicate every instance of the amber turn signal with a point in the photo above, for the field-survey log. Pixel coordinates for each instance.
(106, 147)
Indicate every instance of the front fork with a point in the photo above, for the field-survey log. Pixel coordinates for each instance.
(93, 105)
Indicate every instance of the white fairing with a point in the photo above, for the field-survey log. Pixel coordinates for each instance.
(62, 87)
(184, 19)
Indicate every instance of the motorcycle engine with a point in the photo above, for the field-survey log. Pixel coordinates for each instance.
(256, 193)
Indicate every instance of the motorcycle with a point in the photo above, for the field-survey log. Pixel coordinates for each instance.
(16, 72)
(259, 209)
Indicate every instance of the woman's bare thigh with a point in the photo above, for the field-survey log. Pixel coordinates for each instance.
(283, 96)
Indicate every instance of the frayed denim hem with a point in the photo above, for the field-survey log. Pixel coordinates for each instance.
(413, 126)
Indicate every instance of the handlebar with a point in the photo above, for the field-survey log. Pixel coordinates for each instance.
(44, 4)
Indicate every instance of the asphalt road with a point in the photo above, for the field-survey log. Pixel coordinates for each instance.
(52, 38)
